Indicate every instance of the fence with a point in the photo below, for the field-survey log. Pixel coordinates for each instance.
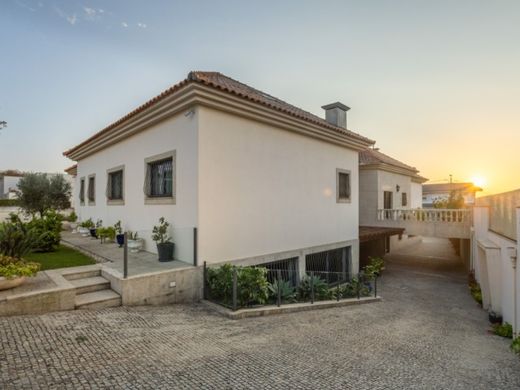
(462, 216)
(237, 287)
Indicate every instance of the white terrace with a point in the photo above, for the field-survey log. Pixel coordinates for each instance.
(442, 223)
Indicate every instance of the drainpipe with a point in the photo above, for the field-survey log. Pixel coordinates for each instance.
(513, 258)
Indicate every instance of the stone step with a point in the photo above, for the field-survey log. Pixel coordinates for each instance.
(86, 285)
(89, 273)
(98, 300)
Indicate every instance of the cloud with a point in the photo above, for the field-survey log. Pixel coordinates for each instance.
(141, 25)
(90, 11)
(71, 19)
(124, 24)
(23, 5)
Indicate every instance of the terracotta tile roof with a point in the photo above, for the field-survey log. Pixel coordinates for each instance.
(374, 156)
(226, 84)
(12, 173)
(72, 170)
(448, 187)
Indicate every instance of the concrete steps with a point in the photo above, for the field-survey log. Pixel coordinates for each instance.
(92, 290)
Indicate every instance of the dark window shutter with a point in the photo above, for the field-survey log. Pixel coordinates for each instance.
(109, 186)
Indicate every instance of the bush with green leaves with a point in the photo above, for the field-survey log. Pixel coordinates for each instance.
(287, 291)
(355, 287)
(321, 289)
(72, 217)
(160, 232)
(17, 239)
(11, 267)
(48, 229)
(374, 268)
(504, 330)
(118, 228)
(107, 233)
(252, 285)
(88, 224)
(515, 345)
(39, 192)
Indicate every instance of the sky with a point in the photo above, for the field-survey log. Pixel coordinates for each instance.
(435, 83)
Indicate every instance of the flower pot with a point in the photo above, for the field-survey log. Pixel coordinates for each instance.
(120, 239)
(73, 226)
(6, 284)
(165, 251)
(93, 233)
(494, 318)
(85, 232)
(135, 245)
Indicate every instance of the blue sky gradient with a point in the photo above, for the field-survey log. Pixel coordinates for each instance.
(437, 84)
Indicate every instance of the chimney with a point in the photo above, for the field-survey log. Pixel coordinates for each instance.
(336, 114)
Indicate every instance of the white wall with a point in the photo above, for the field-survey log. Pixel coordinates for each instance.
(387, 181)
(177, 133)
(416, 195)
(264, 190)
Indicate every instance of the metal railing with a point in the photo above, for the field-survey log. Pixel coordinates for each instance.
(278, 288)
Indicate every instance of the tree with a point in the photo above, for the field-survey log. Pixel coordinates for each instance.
(39, 192)
(454, 201)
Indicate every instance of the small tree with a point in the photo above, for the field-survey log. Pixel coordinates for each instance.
(39, 192)
(454, 201)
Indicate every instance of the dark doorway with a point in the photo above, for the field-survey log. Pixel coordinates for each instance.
(388, 200)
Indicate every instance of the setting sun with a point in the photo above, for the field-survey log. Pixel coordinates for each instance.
(479, 181)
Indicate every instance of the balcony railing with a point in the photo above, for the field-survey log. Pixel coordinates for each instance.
(453, 216)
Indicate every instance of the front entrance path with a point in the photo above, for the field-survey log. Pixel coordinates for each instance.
(427, 333)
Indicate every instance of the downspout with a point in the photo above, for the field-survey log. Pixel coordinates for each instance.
(513, 257)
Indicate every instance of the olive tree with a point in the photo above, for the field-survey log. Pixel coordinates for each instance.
(39, 192)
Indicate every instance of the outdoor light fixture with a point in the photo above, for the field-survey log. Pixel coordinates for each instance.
(397, 188)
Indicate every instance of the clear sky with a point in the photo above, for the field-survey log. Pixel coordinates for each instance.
(436, 83)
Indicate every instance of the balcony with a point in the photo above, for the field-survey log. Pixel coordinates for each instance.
(443, 223)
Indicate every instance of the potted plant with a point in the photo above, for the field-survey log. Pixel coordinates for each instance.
(13, 271)
(72, 219)
(85, 226)
(93, 229)
(107, 234)
(120, 237)
(164, 245)
(134, 242)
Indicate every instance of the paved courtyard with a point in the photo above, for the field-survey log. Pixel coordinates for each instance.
(428, 333)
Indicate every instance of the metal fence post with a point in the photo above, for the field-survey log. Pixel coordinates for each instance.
(375, 286)
(205, 284)
(279, 298)
(195, 255)
(234, 288)
(125, 256)
(312, 286)
(338, 289)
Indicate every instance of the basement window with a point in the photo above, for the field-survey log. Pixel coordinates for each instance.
(342, 186)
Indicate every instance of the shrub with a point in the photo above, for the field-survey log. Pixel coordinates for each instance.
(321, 289)
(355, 286)
(72, 217)
(16, 238)
(108, 232)
(11, 267)
(252, 284)
(515, 345)
(39, 192)
(118, 228)
(375, 267)
(160, 232)
(48, 229)
(287, 291)
(89, 224)
(9, 202)
(504, 330)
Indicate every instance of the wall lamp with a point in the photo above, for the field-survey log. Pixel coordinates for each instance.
(397, 188)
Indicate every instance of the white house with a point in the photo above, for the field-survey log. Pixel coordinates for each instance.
(8, 183)
(440, 191)
(260, 179)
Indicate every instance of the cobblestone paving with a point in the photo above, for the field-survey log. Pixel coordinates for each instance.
(426, 334)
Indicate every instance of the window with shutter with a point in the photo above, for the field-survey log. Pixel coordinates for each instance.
(159, 183)
(82, 191)
(115, 191)
(91, 191)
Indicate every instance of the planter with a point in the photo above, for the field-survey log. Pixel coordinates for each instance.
(135, 245)
(73, 226)
(93, 233)
(85, 232)
(165, 251)
(495, 318)
(6, 284)
(120, 240)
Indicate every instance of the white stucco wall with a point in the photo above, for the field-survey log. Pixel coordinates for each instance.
(387, 181)
(416, 195)
(264, 190)
(177, 133)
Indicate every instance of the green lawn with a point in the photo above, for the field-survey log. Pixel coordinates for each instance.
(63, 257)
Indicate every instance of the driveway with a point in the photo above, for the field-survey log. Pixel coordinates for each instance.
(427, 333)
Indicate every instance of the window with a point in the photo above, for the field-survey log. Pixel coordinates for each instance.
(82, 191)
(91, 192)
(342, 186)
(404, 199)
(115, 185)
(159, 186)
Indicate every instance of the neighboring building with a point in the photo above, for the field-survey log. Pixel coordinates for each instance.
(433, 192)
(8, 183)
(385, 183)
(261, 180)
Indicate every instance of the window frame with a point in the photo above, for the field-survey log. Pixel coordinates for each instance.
(404, 199)
(347, 172)
(162, 199)
(82, 186)
(116, 202)
(91, 202)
